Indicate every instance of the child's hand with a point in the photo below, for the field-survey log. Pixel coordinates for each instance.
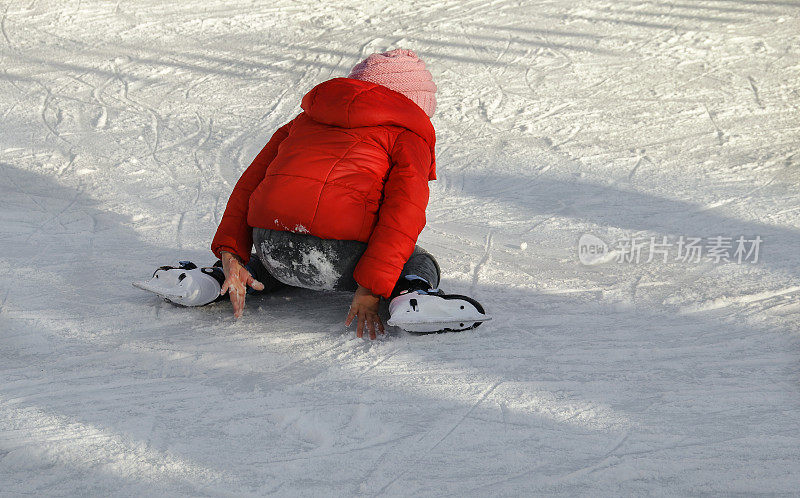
(365, 307)
(237, 278)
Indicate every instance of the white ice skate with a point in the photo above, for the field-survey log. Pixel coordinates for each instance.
(434, 311)
(186, 285)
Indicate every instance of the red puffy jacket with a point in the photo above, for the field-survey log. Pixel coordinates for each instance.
(354, 166)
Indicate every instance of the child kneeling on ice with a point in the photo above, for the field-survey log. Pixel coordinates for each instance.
(335, 201)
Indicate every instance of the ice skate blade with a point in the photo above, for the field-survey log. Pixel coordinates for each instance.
(164, 292)
(438, 326)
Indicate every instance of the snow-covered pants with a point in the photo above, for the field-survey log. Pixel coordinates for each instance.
(303, 260)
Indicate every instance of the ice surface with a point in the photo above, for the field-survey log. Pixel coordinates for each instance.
(124, 126)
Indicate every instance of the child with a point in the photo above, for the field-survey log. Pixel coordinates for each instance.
(336, 201)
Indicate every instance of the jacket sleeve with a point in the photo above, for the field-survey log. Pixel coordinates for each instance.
(401, 217)
(233, 234)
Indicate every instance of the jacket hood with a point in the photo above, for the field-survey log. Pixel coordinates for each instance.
(350, 103)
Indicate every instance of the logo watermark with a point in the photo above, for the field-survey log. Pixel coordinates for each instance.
(592, 250)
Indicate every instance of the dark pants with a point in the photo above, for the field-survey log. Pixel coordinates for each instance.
(302, 260)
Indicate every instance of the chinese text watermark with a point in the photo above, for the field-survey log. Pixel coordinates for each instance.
(685, 249)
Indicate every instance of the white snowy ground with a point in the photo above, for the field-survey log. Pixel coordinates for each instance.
(124, 125)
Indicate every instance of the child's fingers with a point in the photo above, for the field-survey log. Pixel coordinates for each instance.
(233, 304)
(349, 318)
(224, 287)
(360, 329)
(236, 291)
(380, 325)
(238, 304)
(252, 282)
(234, 300)
(371, 326)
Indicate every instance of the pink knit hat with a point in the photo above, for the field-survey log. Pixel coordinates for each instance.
(402, 71)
